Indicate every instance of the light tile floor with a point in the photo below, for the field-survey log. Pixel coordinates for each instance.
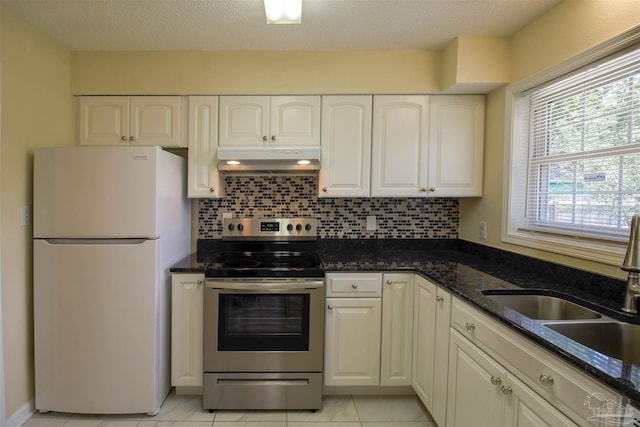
(186, 411)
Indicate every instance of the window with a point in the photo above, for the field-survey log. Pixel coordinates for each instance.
(575, 159)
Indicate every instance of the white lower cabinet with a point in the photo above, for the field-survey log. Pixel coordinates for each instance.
(352, 343)
(368, 332)
(352, 329)
(539, 389)
(431, 319)
(483, 393)
(187, 299)
(397, 329)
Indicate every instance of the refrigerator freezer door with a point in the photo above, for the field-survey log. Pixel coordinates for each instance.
(94, 192)
(100, 343)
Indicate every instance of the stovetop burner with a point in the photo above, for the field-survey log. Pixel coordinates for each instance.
(272, 247)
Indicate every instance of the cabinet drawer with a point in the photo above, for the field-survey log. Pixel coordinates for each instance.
(569, 390)
(354, 285)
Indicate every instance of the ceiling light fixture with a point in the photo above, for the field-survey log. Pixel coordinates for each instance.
(283, 11)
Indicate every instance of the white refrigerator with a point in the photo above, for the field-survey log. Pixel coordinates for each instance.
(108, 224)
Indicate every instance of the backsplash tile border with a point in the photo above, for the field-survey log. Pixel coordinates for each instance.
(339, 218)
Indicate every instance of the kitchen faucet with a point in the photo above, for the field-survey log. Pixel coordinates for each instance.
(631, 264)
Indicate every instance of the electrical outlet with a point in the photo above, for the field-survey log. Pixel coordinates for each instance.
(371, 223)
(482, 230)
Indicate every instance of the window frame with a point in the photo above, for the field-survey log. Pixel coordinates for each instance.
(516, 153)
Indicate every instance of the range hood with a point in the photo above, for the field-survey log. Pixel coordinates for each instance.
(269, 160)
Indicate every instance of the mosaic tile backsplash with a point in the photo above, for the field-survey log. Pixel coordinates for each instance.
(339, 218)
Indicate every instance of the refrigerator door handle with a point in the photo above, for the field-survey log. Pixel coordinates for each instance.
(95, 242)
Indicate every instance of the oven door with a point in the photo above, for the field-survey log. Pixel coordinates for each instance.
(264, 325)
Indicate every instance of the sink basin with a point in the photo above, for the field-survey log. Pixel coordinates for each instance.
(542, 307)
(619, 340)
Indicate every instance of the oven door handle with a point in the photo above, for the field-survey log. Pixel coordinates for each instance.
(264, 285)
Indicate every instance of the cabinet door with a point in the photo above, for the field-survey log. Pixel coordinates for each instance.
(424, 335)
(525, 408)
(346, 146)
(157, 120)
(474, 397)
(397, 329)
(295, 120)
(400, 146)
(456, 145)
(187, 299)
(244, 121)
(441, 356)
(352, 342)
(103, 120)
(204, 179)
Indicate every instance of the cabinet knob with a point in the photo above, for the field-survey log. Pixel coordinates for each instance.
(429, 189)
(506, 390)
(124, 138)
(439, 298)
(324, 189)
(495, 380)
(212, 190)
(199, 281)
(470, 327)
(354, 286)
(132, 138)
(273, 137)
(546, 380)
(330, 307)
(423, 190)
(389, 282)
(264, 137)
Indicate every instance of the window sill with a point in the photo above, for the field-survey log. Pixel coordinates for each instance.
(611, 254)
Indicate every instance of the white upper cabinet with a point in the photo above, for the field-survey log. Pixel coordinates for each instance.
(132, 120)
(456, 143)
(427, 146)
(204, 179)
(264, 121)
(400, 145)
(346, 146)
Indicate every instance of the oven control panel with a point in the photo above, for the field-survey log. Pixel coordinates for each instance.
(269, 229)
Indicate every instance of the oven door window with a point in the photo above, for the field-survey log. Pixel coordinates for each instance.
(263, 322)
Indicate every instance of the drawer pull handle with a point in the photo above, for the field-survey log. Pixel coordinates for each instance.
(470, 327)
(546, 380)
(354, 286)
(506, 390)
(495, 380)
(439, 298)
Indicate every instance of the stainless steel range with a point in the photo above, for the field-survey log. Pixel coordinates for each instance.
(264, 317)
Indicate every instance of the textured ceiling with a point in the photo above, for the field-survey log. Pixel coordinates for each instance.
(241, 24)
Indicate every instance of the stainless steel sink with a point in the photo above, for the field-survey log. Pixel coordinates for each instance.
(619, 340)
(542, 307)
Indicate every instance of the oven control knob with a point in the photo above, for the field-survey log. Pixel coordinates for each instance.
(290, 227)
(307, 227)
(299, 227)
(240, 227)
(231, 227)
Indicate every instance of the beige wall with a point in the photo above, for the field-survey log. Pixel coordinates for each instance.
(567, 30)
(36, 111)
(251, 72)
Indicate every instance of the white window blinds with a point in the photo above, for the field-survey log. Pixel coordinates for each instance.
(583, 166)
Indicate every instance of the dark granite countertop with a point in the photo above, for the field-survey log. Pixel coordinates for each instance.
(465, 270)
